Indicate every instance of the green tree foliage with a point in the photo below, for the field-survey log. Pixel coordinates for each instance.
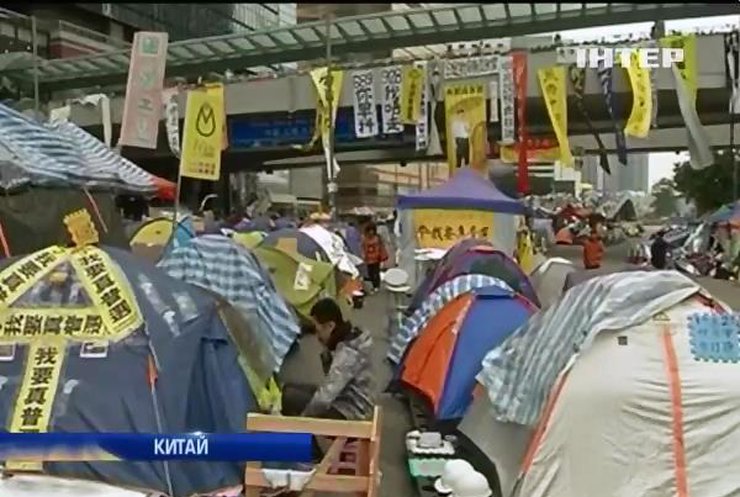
(664, 198)
(709, 188)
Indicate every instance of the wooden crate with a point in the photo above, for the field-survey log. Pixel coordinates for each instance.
(362, 452)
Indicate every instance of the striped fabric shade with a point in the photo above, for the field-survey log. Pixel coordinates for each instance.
(62, 154)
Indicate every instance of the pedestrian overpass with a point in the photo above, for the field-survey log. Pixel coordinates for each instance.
(267, 118)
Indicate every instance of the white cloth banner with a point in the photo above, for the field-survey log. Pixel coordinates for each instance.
(365, 108)
(422, 127)
(508, 110)
(391, 80)
(471, 67)
(493, 101)
(172, 119)
(699, 145)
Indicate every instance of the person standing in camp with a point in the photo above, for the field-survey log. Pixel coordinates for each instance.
(347, 391)
(593, 249)
(659, 251)
(374, 254)
(461, 134)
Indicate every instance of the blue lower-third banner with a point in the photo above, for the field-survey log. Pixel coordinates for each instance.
(67, 447)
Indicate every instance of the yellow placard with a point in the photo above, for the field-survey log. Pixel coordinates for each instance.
(553, 84)
(638, 124)
(443, 228)
(687, 68)
(81, 228)
(203, 134)
(465, 116)
(319, 76)
(412, 86)
(48, 330)
(509, 154)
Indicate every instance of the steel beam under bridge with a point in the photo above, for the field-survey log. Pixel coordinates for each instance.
(350, 35)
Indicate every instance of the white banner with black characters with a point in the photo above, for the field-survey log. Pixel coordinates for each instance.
(391, 81)
(493, 101)
(172, 119)
(508, 96)
(366, 113)
(471, 67)
(422, 127)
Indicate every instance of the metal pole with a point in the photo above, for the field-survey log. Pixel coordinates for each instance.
(733, 161)
(331, 186)
(34, 42)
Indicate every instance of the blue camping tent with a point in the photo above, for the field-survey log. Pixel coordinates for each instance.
(137, 351)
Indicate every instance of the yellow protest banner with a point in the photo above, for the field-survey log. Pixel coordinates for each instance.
(465, 119)
(81, 228)
(49, 329)
(319, 77)
(218, 90)
(687, 68)
(638, 123)
(203, 134)
(443, 228)
(555, 92)
(412, 86)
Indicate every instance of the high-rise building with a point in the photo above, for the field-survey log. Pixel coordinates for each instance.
(634, 176)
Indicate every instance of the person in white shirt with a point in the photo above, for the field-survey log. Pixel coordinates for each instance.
(461, 135)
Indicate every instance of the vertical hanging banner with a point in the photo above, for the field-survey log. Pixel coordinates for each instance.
(493, 101)
(465, 118)
(654, 90)
(732, 68)
(520, 79)
(411, 87)
(434, 70)
(606, 78)
(554, 91)
(203, 134)
(422, 125)
(142, 107)
(638, 124)
(687, 67)
(700, 151)
(506, 87)
(172, 119)
(578, 80)
(325, 121)
(391, 80)
(365, 109)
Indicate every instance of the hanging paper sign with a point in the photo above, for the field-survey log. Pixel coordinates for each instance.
(366, 114)
(465, 115)
(493, 101)
(638, 124)
(411, 88)
(443, 228)
(471, 67)
(506, 87)
(172, 120)
(141, 109)
(422, 125)
(715, 337)
(391, 80)
(554, 91)
(81, 228)
(203, 135)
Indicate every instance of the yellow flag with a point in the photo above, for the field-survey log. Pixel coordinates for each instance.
(203, 134)
(411, 92)
(218, 89)
(687, 68)
(638, 124)
(319, 77)
(555, 92)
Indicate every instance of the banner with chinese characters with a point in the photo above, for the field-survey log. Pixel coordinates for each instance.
(142, 107)
(203, 135)
(319, 77)
(506, 87)
(172, 119)
(391, 100)
(520, 80)
(422, 125)
(555, 92)
(412, 82)
(638, 123)
(465, 118)
(443, 228)
(493, 101)
(49, 329)
(471, 67)
(365, 108)
(686, 68)
(577, 77)
(732, 68)
(606, 78)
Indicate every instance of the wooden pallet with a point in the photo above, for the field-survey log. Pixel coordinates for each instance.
(351, 465)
